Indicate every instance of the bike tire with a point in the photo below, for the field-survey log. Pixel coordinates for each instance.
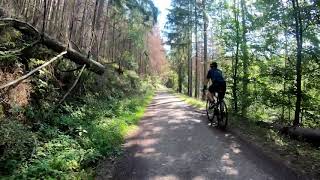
(210, 112)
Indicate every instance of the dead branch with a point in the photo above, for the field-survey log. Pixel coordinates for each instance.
(73, 85)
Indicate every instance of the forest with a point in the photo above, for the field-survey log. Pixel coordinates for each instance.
(76, 76)
(268, 51)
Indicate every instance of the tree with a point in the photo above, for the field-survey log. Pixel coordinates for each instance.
(299, 39)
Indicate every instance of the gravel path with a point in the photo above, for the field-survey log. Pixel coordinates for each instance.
(174, 142)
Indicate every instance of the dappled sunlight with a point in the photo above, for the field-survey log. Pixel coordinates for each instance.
(176, 143)
(235, 148)
(174, 121)
(149, 150)
(199, 178)
(157, 129)
(228, 165)
(146, 155)
(148, 142)
(167, 177)
(195, 120)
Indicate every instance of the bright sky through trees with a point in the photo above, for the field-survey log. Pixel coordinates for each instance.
(163, 6)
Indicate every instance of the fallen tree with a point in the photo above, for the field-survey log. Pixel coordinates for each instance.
(55, 45)
(299, 133)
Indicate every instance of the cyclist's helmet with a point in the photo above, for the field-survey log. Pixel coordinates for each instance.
(214, 65)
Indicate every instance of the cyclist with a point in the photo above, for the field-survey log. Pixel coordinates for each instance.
(218, 83)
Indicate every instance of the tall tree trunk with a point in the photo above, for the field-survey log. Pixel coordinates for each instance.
(99, 14)
(197, 63)
(34, 12)
(50, 12)
(102, 41)
(236, 62)
(44, 17)
(56, 17)
(27, 10)
(190, 73)
(83, 21)
(245, 60)
(62, 28)
(299, 39)
(71, 21)
(180, 76)
(205, 39)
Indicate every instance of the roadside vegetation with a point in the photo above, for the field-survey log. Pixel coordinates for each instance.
(68, 142)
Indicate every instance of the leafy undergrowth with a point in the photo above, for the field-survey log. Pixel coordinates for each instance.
(43, 139)
(68, 142)
(301, 156)
(71, 145)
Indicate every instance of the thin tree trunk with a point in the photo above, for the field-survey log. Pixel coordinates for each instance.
(299, 38)
(235, 67)
(62, 29)
(197, 63)
(245, 60)
(190, 88)
(44, 18)
(83, 21)
(205, 39)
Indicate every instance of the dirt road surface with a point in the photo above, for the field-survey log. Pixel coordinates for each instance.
(175, 142)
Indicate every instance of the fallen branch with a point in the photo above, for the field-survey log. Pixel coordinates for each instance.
(26, 28)
(33, 71)
(74, 55)
(73, 85)
(57, 46)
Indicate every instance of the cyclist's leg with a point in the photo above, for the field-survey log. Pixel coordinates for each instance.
(211, 93)
(222, 93)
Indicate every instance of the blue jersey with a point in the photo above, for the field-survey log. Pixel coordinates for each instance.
(215, 75)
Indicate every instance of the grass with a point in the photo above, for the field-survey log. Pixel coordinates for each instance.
(189, 100)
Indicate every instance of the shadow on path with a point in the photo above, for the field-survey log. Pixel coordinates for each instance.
(175, 142)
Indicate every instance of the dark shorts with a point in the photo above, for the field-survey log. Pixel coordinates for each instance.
(220, 88)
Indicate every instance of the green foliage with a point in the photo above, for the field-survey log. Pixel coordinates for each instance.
(66, 142)
(74, 142)
(16, 145)
(172, 80)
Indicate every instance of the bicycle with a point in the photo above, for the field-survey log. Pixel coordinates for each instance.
(217, 112)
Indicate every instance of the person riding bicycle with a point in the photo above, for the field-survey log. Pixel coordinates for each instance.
(218, 83)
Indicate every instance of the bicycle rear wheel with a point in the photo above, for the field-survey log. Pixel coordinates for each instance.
(210, 111)
(223, 115)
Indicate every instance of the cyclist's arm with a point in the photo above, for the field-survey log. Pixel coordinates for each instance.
(206, 81)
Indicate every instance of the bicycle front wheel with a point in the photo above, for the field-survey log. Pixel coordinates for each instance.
(210, 111)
